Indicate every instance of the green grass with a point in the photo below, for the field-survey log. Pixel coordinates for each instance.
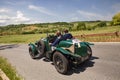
(33, 37)
(98, 30)
(1, 78)
(8, 69)
(100, 38)
(20, 38)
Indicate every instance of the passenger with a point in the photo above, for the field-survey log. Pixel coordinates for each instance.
(58, 39)
(67, 35)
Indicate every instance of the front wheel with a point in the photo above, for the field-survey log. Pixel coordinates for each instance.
(32, 53)
(89, 51)
(60, 62)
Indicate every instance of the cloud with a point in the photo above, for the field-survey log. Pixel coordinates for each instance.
(41, 9)
(94, 16)
(10, 2)
(74, 18)
(89, 14)
(3, 17)
(20, 17)
(6, 19)
(3, 10)
(17, 2)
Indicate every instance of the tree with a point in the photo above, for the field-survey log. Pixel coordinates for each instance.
(81, 26)
(116, 19)
(102, 24)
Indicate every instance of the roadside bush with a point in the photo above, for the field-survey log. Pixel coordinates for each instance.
(90, 27)
(81, 26)
(102, 24)
(111, 23)
(29, 32)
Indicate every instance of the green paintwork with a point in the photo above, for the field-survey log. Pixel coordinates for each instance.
(82, 50)
(66, 43)
(62, 50)
(75, 51)
(47, 46)
(87, 43)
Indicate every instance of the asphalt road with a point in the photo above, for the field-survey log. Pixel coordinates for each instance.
(104, 64)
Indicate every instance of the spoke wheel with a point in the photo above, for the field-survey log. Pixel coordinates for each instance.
(89, 51)
(60, 62)
(32, 54)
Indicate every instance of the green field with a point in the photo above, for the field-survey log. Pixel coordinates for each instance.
(20, 38)
(98, 30)
(33, 37)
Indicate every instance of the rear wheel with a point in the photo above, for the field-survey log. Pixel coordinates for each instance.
(60, 62)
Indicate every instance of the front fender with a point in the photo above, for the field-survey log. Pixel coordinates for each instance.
(63, 51)
(87, 43)
(33, 47)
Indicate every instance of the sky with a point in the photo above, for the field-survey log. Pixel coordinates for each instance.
(44, 11)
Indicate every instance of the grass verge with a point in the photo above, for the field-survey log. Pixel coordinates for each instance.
(21, 38)
(0, 78)
(9, 70)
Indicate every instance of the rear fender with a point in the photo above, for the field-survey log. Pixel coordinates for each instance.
(33, 47)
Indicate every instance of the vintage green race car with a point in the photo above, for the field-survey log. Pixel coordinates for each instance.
(67, 52)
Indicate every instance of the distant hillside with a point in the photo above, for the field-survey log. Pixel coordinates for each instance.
(52, 27)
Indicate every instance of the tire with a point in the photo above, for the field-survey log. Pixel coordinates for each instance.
(40, 49)
(61, 63)
(32, 54)
(89, 52)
